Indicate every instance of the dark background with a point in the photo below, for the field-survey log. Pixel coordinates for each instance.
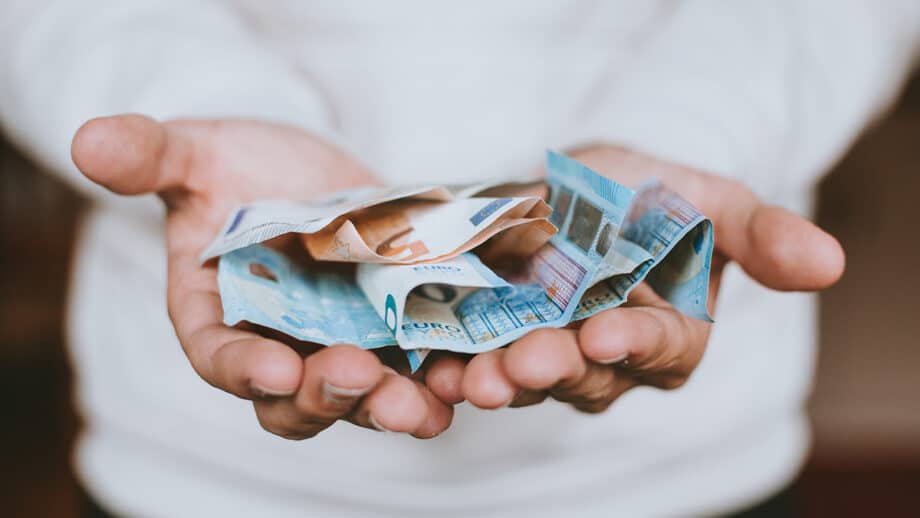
(865, 409)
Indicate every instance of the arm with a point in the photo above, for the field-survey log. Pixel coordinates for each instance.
(764, 94)
(767, 93)
(66, 62)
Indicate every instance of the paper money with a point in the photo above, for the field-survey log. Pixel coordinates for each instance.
(261, 221)
(664, 241)
(587, 208)
(389, 288)
(610, 239)
(412, 231)
(263, 287)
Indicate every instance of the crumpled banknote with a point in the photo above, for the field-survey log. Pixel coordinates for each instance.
(610, 239)
(413, 231)
(394, 225)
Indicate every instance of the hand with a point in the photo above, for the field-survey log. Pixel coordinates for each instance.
(647, 341)
(202, 170)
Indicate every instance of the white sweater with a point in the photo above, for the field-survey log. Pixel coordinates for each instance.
(769, 92)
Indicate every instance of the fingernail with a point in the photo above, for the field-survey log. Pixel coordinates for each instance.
(260, 392)
(616, 359)
(339, 395)
(379, 427)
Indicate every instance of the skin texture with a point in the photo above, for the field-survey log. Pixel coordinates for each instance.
(203, 169)
(647, 341)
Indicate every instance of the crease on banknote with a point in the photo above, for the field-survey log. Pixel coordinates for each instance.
(610, 239)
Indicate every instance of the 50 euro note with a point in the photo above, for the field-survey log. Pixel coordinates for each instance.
(545, 291)
(413, 231)
(390, 235)
(611, 238)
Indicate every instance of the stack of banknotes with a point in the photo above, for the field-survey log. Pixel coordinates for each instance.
(466, 268)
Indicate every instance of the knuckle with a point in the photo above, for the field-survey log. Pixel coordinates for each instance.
(313, 422)
(671, 355)
(595, 407)
(296, 435)
(656, 359)
(288, 427)
(597, 389)
(327, 407)
(598, 393)
(270, 426)
(670, 382)
(528, 398)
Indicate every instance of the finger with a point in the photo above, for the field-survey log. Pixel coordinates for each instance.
(529, 398)
(551, 360)
(598, 404)
(131, 154)
(444, 377)
(787, 252)
(240, 362)
(438, 417)
(334, 380)
(594, 391)
(657, 344)
(396, 405)
(245, 364)
(775, 246)
(485, 383)
(610, 334)
(543, 358)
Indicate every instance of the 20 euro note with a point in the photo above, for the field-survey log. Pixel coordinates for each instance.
(591, 265)
(589, 211)
(611, 238)
(325, 306)
(261, 221)
(664, 241)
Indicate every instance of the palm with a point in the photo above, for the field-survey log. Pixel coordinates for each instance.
(646, 342)
(202, 170)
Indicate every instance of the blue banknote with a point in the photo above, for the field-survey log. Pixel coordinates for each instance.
(264, 287)
(668, 243)
(588, 210)
(610, 239)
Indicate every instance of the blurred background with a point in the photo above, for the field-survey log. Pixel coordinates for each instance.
(866, 404)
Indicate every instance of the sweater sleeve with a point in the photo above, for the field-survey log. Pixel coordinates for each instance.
(63, 62)
(769, 93)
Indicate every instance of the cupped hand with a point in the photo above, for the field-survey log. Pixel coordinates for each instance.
(202, 169)
(647, 341)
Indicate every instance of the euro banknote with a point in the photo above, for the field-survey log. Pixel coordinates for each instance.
(325, 306)
(544, 291)
(413, 231)
(264, 287)
(261, 221)
(610, 239)
(664, 241)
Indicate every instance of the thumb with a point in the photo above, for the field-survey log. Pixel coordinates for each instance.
(787, 252)
(130, 154)
(775, 246)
